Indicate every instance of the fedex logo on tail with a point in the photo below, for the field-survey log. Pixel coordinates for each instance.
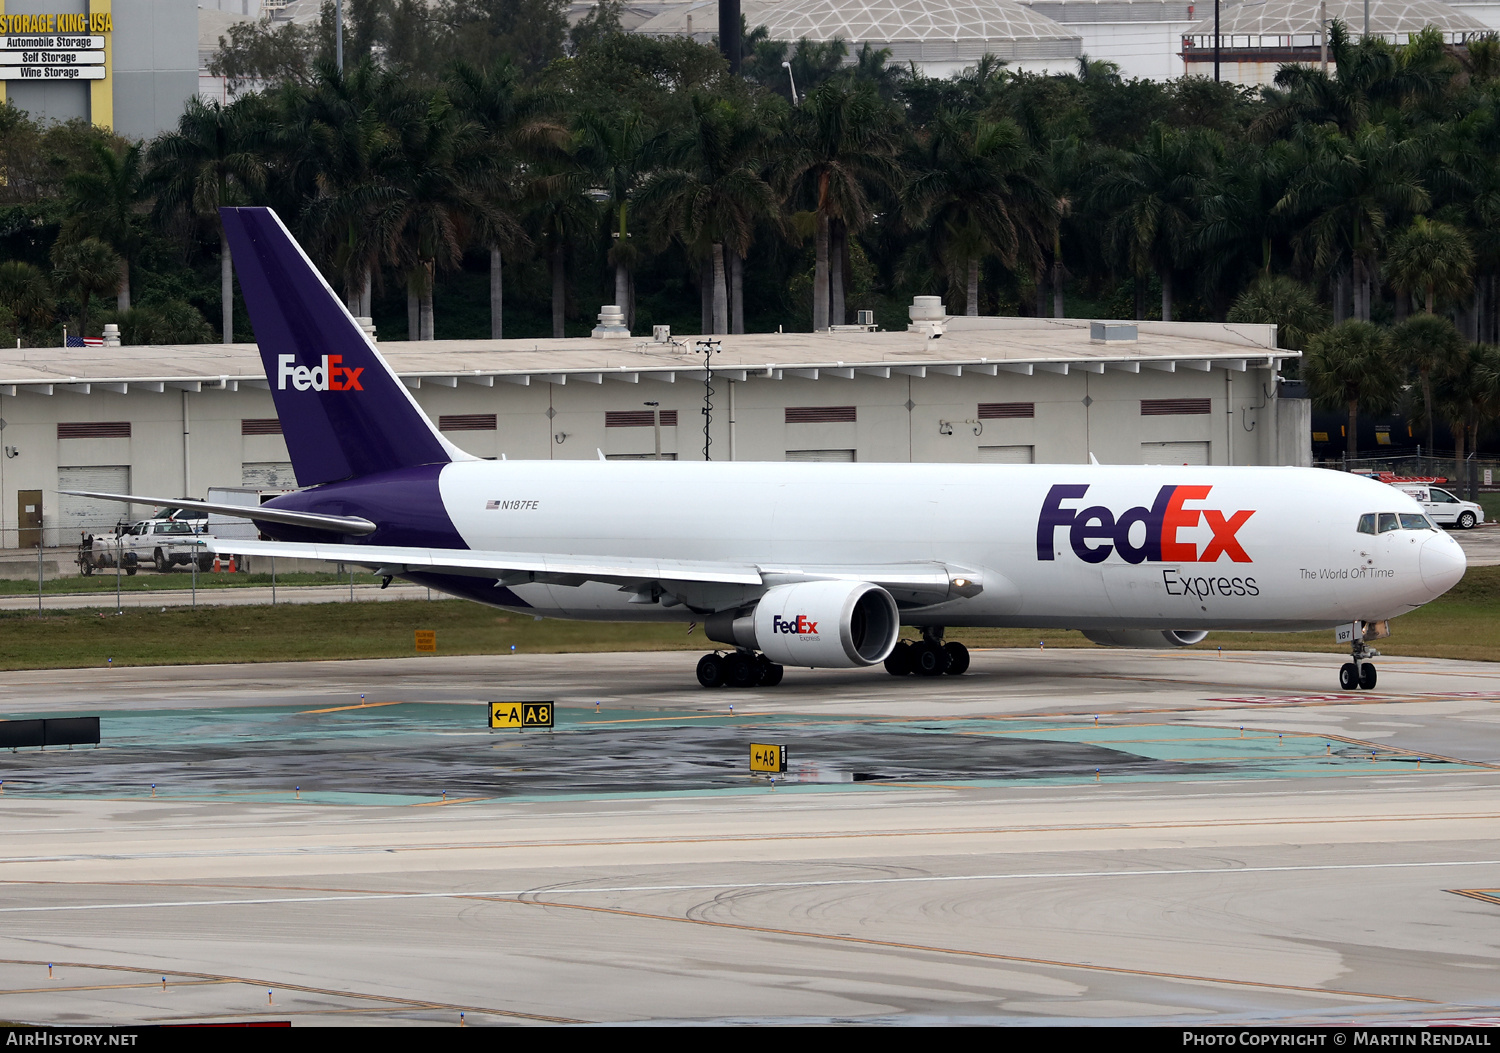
(1095, 532)
(330, 375)
(799, 627)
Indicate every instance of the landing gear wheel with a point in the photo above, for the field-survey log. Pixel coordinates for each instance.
(740, 670)
(1466, 520)
(1367, 676)
(1348, 677)
(770, 672)
(899, 661)
(929, 659)
(205, 564)
(958, 658)
(711, 671)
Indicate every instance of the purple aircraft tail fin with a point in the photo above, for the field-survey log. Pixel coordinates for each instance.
(343, 412)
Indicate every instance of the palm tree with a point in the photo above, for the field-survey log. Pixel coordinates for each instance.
(435, 187)
(1429, 345)
(335, 140)
(1348, 366)
(213, 158)
(103, 202)
(515, 132)
(1241, 229)
(1285, 303)
(711, 193)
(1433, 257)
(837, 151)
(1344, 196)
(981, 194)
(617, 152)
(1468, 396)
(89, 266)
(26, 295)
(1154, 194)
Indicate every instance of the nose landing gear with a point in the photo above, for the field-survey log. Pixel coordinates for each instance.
(1359, 675)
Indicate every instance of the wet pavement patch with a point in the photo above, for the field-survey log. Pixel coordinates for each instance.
(417, 753)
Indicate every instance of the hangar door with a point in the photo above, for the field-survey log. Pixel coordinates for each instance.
(1174, 453)
(84, 515)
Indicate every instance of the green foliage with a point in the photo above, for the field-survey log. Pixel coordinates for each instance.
(90, 268)
(459, 128)
(164, 321)
(1285, 303)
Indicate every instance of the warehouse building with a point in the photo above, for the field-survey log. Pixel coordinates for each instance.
(125, 65)
(174, 421)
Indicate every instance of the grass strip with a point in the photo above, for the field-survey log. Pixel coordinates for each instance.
(1463, 624)
(102, 582)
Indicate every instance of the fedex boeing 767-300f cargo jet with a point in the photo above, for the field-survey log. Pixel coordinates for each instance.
(808, 564)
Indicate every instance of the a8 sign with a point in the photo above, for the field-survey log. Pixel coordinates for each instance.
(767, 758)
(521, 714)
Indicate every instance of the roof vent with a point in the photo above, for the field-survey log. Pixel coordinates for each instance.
(1112, 333)
(927, 315)
(611, 324)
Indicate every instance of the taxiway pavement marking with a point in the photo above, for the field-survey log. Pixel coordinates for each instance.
(57, 908)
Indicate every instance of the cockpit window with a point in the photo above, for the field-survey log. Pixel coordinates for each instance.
(1389, 521)
(1415, 522)
(1367, 523)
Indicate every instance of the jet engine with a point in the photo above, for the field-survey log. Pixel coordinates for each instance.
(829, 624)
(1145, 637)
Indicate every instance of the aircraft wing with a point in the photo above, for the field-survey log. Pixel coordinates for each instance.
(922, 583)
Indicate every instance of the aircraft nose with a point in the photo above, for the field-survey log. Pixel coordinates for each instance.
(1442, 563)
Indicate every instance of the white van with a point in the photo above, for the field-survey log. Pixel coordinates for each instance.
(1442, 507)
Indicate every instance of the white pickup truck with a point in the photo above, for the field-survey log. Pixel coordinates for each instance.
(163, 543)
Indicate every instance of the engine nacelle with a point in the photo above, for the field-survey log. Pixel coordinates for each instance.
(815, 624)
(1145, 637)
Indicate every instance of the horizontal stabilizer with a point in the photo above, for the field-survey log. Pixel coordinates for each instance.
(352, 525)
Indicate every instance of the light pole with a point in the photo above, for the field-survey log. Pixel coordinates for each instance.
(338, 34)
(1216, 41)
(788, 67)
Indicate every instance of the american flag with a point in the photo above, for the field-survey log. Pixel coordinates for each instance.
(85, 341)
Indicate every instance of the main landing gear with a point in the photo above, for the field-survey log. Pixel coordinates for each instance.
(1359, 675)
(738, 669)
(929, 656)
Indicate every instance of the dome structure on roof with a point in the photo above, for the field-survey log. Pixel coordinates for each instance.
(941, 36)
(1256, 39)
(1294, 23)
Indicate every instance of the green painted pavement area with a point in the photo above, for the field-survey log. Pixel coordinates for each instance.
(443, 753)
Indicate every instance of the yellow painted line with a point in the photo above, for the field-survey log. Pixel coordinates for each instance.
(701, 716)
(343, 709)
(1487, 895)
(114, 987)
(450, 800)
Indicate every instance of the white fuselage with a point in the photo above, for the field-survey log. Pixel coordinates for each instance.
(1295, 562)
